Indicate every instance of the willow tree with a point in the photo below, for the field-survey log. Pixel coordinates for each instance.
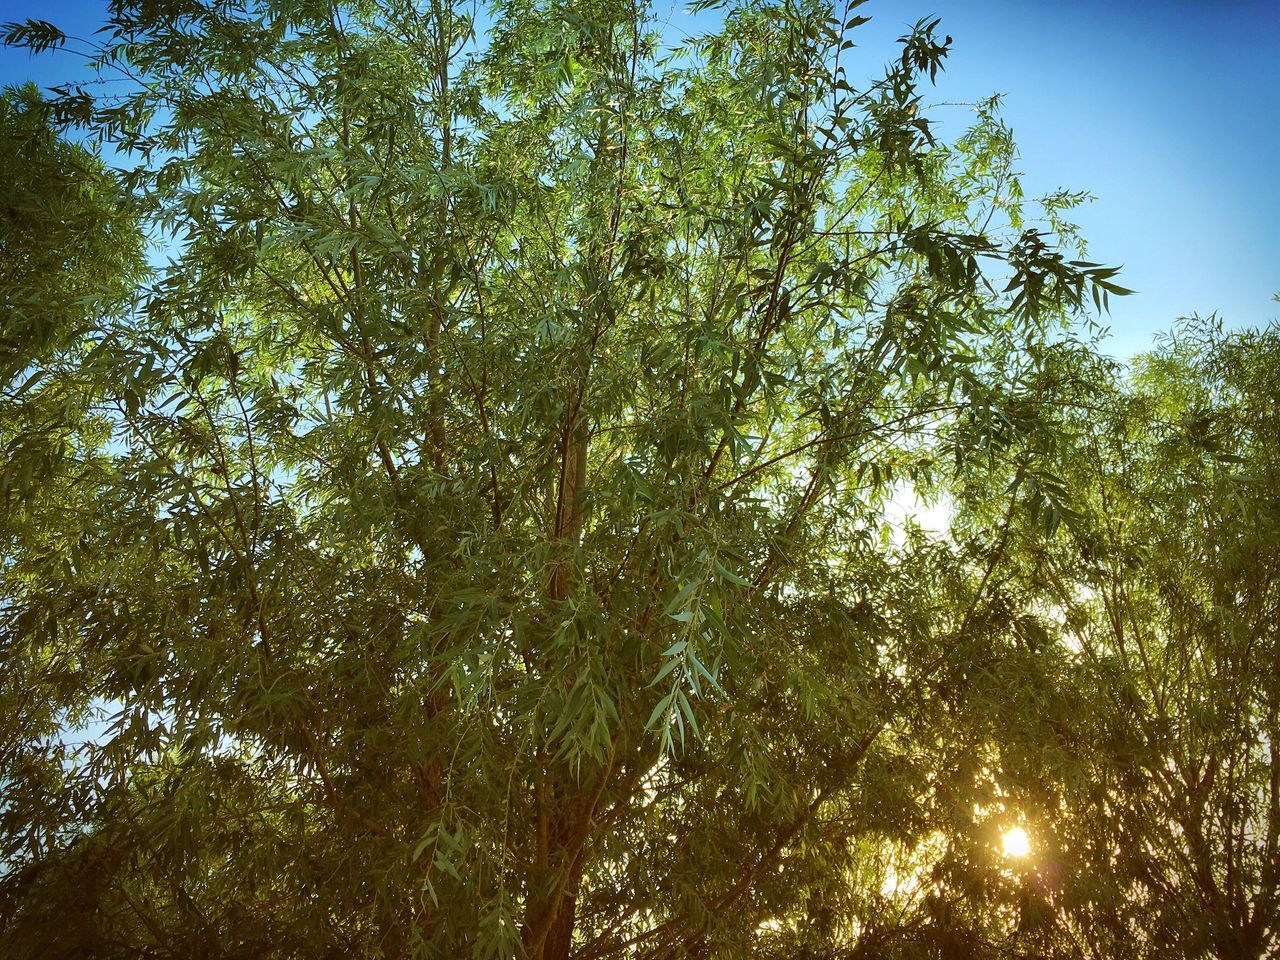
(70, 254)
(70, 248)
(476, 530)
(1171, 590)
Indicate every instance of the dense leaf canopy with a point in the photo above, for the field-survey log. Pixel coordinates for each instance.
(479, 530)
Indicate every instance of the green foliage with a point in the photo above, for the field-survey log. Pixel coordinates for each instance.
(1177, 578)
(478, 539)
(69, 247)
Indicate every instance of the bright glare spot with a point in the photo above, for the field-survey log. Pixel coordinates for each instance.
(1016, 843)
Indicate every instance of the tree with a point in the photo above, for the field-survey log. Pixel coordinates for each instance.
(477, 530)
(1173, 589)
(70, 254)
(69, 246)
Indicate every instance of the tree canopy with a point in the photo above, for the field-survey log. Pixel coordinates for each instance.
(476, 528)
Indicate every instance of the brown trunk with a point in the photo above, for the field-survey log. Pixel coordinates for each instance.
(563, 845)
(568, 519)
(548, 932)
(560, 937)
(563, 809)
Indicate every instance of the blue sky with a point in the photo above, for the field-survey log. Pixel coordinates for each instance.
(1167, 110)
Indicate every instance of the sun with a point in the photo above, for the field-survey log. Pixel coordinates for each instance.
(1015, 842)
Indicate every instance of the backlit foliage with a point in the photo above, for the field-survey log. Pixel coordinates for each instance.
(476, 531)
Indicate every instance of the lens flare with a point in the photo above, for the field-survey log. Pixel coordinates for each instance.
(1015, 842)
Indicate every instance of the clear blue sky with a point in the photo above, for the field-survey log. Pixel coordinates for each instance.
(1167, 110)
